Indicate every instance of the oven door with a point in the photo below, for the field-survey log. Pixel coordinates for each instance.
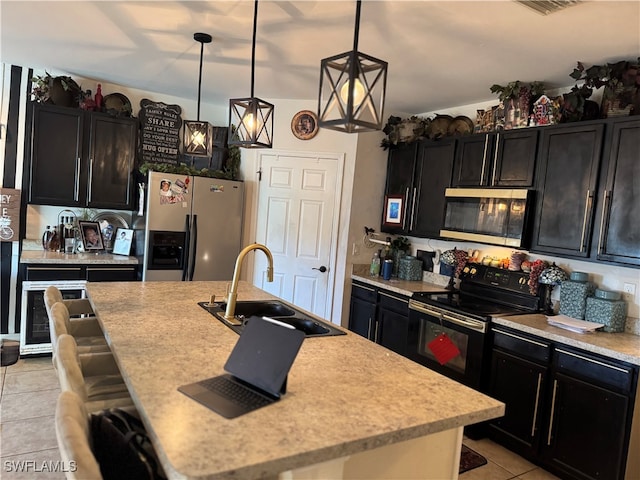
(469, 335)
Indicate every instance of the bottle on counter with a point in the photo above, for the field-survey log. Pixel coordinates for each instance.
(46, 237)
(54, 243)
(374, 270)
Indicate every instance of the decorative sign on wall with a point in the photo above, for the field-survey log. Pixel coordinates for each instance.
(160, 126)
(9, 214)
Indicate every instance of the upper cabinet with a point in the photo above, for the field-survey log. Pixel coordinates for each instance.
(81, 159)
(566, 187)
(401, 167)
(617, 238)
(505, 159)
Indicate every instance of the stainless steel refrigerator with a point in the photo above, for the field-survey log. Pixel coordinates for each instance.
(193, 227)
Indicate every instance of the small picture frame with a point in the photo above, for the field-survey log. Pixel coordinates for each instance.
(91, 236)
(304, 125)
(393, 210)
(123, 239)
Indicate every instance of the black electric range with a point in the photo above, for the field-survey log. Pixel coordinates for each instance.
(485, 292)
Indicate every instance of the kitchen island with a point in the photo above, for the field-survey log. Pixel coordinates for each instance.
(353, 409)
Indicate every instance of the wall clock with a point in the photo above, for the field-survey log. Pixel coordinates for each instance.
(304, 125)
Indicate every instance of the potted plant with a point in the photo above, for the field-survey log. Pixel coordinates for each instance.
(621, 82)
(61, 90)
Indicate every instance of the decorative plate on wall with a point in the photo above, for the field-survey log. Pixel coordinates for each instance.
(304, 125)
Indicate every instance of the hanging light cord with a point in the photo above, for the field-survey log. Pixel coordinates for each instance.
(357, 29)
(200, 77)
(253, 47)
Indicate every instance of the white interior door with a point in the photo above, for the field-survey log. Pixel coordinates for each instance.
(297, 219)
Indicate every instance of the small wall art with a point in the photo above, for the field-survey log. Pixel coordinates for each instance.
(393, 210)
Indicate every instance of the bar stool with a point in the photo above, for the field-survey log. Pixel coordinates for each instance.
(73, 435)
(94, 377)
(86, 331)
(76, 307)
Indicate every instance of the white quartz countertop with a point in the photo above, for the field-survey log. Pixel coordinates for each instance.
(345, 394)
(621, 346)
(42, 256)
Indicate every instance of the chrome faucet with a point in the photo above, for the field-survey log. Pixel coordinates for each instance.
(233, 291)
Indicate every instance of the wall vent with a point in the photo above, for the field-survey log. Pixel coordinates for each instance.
(545, 7)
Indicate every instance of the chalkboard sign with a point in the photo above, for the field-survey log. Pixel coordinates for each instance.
(160, 132)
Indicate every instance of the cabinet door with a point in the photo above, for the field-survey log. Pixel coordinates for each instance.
(514, 158)
(619, 228)
(393, 322)
(586, 434)
(473, 160)
(400, 173)
(362, 317)
(56, 156)
(566, 179)
(435, 163)
(520, 384)
(111, 159)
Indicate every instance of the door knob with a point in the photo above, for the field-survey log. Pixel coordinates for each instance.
(322, 269)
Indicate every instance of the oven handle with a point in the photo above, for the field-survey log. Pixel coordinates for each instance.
(479, 326)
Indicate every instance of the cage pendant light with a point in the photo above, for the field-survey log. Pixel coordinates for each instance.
(352, 89)
(197, 135)
(251, 119)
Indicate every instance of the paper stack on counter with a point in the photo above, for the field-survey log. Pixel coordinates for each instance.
(572, 324)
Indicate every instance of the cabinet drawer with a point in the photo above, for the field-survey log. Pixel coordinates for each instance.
(112, 274)
(394, 302)
(532, 348)
(597, 370)
(44, 272)
(364, 292)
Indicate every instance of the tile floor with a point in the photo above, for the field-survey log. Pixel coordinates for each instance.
(28, 393)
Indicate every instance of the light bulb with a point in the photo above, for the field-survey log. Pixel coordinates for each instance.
(197, 139)
(250, 123)
(358, 92)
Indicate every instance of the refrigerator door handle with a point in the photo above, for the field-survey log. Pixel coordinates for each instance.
(187, 241)
(192, 269)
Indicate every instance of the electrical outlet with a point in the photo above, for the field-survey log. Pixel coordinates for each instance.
(629, 291)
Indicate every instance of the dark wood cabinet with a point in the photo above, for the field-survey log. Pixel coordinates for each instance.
(566, 188)
(379, 315)
(401, 166)
(89, 272)
(567, 409)
(504, 159)
(618, 215)
(81, 159)
(433, 176)
(393, 321)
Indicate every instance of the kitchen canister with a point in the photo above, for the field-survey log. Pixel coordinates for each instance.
(574, 293)
(410, 268)
(606, 307)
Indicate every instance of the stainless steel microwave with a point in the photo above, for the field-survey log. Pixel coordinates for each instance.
(487, 215)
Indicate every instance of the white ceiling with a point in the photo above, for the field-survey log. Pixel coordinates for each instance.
(440, 53)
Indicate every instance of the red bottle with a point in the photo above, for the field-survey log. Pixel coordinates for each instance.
(98, 97)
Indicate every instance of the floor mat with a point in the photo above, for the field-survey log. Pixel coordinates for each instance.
(470, 459)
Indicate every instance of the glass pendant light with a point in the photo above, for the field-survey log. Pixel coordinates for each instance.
(352, 89)
(251, 119)
(197, 135)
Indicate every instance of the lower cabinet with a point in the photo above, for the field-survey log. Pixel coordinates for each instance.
(566, 409)
(380, 315)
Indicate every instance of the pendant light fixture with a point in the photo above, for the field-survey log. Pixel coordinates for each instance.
(197, 135)
(352, 89)
(251, 119)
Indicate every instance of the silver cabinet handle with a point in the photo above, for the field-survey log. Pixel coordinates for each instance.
(413, 208)
(90, 179)
(76, 192)
(395, 298)
(591, 360)
(535, 408)
(553, 408)
(404, 219)
(501, 332)
(365, 288)
(484, 159)
(495, 161)
(587, 208)
(606, 200)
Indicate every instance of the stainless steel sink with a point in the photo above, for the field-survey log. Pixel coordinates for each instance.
(246, 310)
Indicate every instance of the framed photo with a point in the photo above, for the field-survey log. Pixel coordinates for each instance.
(393, 210)
(122, 244)
(91, 236)
(304, 125)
